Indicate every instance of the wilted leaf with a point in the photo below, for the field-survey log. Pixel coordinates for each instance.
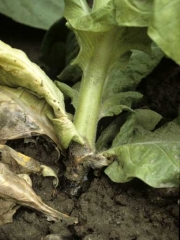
(20, 163)
(48, 172)
(23, 115)
(18, 71)
(7, 210)
(40, 14)
(17, 190)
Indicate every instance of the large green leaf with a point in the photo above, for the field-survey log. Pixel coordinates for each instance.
(164, 27)
(93, 26)
(154, 157)
(107, 13)
(41, 14)
(18, 71)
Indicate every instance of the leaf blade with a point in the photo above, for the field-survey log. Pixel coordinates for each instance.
(18, 71)
(44, 13)
(154, 157)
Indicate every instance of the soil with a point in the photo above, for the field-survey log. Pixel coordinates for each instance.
(106, 210)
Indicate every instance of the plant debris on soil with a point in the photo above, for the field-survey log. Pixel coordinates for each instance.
(106, 210)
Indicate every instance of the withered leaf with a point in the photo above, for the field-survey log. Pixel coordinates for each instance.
(16, 190)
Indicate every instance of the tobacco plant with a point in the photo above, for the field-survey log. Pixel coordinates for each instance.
(120, 43)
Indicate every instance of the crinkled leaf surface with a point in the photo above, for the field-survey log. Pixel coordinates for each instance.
(153, 157)
(40, 14)
(18, 71)
(23, 115)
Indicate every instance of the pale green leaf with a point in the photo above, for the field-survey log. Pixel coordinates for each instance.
(126, 131)
(164, 27)
(106, 14)
(96, 29)
(68, 91)
(98, 19)
(40, 14)
(18, 71)
(94, 45)
(133, 12)
(153, 157)
(140, 65)
(118, 102)
(143, 118)
(147, 118)
(116, 98)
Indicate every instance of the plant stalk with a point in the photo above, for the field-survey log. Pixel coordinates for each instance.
(91, 89)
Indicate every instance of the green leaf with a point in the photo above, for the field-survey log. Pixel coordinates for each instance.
(115, 104)
(84, 18)
(164, 27)
(116, 95)
(18, 71)
(68, 91)
(96, 29)
(147, 118)
(106, 14)
(40, 14)
(133, 12)
(141, 118)
(150, 156)
(127, 79)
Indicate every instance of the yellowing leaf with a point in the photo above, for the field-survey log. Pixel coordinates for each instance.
(17, 70)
